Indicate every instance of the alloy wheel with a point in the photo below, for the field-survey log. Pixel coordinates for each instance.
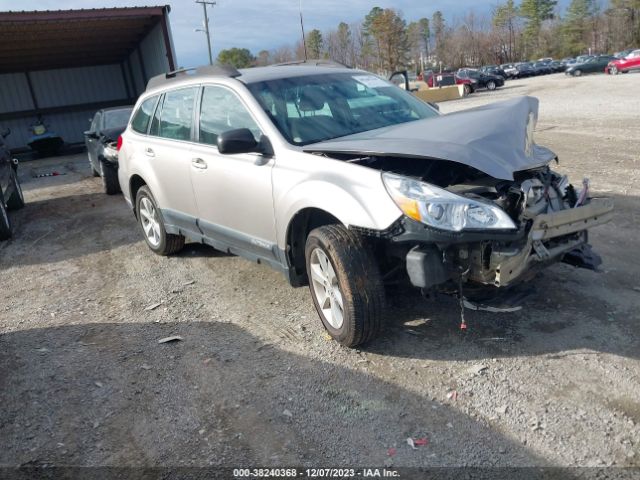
(326, 288)
(150, 221)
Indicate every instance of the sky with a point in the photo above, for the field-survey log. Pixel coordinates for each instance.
(260, 24)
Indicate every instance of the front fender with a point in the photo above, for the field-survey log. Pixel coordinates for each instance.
(360, 200)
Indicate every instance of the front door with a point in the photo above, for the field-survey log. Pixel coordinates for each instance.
(233, 192)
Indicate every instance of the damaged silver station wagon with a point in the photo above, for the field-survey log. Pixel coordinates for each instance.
(344, 182)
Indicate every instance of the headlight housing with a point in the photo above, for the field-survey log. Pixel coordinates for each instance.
(441, 209)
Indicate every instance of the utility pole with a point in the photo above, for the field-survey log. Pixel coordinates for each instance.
(304, 39)
(204, 4)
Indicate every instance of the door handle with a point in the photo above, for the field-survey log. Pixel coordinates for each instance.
(149, 152)
(198, 163)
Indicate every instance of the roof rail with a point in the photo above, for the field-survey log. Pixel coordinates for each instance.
(315, 63)
(217, 70)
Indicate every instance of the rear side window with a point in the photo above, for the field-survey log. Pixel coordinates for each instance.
(141, 118)
(177, 114)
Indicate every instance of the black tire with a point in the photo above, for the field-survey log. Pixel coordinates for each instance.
(109, 176)
(491, 85)
(5, 223)
(359, 282)
(16, 200)
(168, 243)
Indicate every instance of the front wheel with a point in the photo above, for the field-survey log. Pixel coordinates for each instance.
(345, 285)
(577, 73)
(152, 224)
(16, 200)
(613, 70)
(491, 85)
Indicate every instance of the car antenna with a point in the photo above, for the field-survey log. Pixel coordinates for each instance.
(304, 40)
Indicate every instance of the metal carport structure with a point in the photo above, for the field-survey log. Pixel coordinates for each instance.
(66, 64)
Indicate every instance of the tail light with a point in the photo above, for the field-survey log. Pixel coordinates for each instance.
(119, 146)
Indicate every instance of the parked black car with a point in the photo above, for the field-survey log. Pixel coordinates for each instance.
(542, 68)
(101, 141)
(524, 70)
(483, 80)
(494, 70)
(595, 64)
(11, 197)
(557, 66)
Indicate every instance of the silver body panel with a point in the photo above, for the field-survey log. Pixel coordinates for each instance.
(246, 197)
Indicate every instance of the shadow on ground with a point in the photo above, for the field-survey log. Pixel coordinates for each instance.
(110, 394)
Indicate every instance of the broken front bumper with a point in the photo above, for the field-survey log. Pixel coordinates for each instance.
(496, 258)
(550, 237)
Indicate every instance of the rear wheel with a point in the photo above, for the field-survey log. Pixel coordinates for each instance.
(152, 224)
(16, 200)
(613, 70)
(5, 223)
(467, 90)
(577, 73)
(345, 284)
(491, 85)
(109, 179)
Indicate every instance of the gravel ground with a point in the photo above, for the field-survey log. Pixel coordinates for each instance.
(255, 381)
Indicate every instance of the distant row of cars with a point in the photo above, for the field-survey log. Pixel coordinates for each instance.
(621, 62)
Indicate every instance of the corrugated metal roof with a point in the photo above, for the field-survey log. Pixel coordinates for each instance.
(37, 40)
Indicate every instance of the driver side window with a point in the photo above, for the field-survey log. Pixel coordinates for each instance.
(221, 110)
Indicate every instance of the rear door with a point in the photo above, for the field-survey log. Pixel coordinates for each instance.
(168, 149)
(233, 192)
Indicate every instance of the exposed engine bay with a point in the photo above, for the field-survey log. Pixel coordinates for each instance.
(552, 217)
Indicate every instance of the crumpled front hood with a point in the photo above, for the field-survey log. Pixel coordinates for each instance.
(491, 138)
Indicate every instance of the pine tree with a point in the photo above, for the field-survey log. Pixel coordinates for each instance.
(577, 26)
(315, 43)
(534, 12)
(438, 25)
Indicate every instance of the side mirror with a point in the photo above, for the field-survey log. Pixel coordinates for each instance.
(90, 134)
(240, 140)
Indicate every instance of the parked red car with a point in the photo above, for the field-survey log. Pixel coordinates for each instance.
(624, 65)
(444, 79)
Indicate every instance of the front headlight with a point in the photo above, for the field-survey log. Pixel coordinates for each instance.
(439, 208)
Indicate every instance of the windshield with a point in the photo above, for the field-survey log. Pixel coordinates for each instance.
(314, 108)
(116, 118)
